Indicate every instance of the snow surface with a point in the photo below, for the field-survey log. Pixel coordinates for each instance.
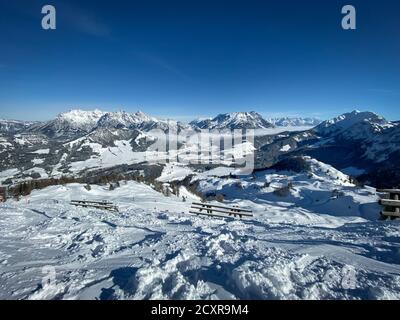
(174, 172)
(106, 157)
(41, 171)
(8, 173)
(285, 148)
(37, 161)
(42, 151)
(311, 244)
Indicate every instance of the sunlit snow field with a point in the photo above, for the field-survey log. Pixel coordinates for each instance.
(297, 247)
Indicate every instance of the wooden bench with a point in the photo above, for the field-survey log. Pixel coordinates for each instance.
(218, 211)
(391, 204)
(106, 205)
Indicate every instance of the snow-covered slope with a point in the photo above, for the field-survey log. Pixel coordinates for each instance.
(118, 120)
(68, 125)
(363, 141)
(317, 188)
(138, 121)
(348, 120)
(375, 138)
(252, 120)
(77, 123)
(154, 249)
(201, 123)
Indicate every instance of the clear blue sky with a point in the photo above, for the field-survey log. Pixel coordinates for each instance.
(190, 58)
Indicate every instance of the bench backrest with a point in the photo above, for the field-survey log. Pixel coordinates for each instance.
(391, 206)
(210, 206)
(214, 210)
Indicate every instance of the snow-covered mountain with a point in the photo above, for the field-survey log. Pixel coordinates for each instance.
(80, 140)
(122, 119)
(77, 123)
(68, 125)
(137, 121)
(348, 120)
(13, 126)
(294, 122)
(235, 120)
(253, 120)
(201, 123)
(362, 142)
(85, 120)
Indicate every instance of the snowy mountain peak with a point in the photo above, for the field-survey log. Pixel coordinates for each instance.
(234, 120)
(81, 118)
(141, 116)
(68, 125)
(348, 120)
(117, 120)
(137, 121)
(252, 120)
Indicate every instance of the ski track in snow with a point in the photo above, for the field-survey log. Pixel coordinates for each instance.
(153, 249)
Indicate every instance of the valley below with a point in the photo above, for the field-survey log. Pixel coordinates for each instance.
(315, 232)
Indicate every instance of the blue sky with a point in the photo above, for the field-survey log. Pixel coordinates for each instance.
(185, 59)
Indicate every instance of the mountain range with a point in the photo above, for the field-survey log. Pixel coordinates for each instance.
(235, 120)
(74, 123)
(362, 144)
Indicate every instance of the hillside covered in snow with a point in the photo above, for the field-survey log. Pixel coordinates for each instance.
(315, 232)
(314, 235)
(362, 144)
